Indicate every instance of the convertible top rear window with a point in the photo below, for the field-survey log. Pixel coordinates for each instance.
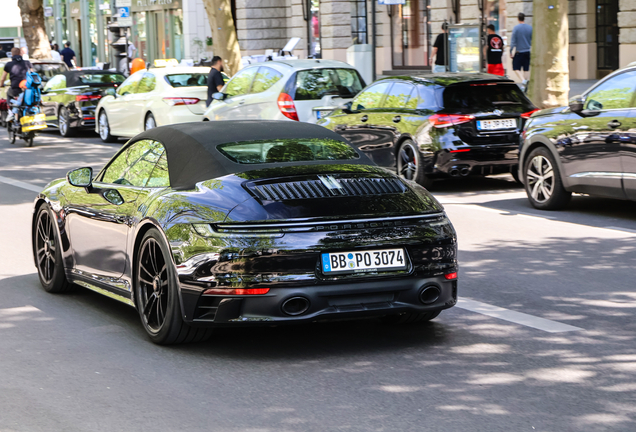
(287, 150)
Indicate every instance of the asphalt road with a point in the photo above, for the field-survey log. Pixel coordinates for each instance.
(543, 338)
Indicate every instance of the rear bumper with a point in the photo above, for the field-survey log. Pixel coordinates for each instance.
(487, 159)
(328, 302)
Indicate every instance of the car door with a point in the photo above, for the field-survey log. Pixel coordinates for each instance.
(592, 155)
(237, 91)
(628, 152)
(119, 109)
(355, 126)
(52, 94)
(139, 101)
(99, 227)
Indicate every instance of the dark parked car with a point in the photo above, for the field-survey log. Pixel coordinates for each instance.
(246, 222)
(588, 147)
(435, 126)
(69, 99)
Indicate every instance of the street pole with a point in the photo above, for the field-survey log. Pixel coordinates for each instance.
(373, 40)
(59, 30)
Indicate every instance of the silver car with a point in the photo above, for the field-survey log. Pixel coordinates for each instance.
(301, 90)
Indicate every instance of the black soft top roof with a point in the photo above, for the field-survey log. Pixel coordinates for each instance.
(193, 157)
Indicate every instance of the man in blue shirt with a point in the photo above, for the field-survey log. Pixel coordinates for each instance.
(68, 55)
(520, 48)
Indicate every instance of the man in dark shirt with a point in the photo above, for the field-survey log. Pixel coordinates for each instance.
(17, 69)
(439, 51)
(215, 79)
(68, 55)
(494, 50)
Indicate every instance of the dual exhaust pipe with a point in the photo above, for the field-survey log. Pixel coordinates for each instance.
(459, 171)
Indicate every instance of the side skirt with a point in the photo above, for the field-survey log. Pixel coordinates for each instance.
(117, 289)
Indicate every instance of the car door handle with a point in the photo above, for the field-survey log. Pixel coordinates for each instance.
(614, 124)
(241, 102)
(397, 119)
(364, 118)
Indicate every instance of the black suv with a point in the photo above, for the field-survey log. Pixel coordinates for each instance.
(436, 126)
(588, 147)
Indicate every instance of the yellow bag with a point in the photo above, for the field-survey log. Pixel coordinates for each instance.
(34, 122)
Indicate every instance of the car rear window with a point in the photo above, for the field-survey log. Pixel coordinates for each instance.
(187, 80)
(288, 150)
(485, 97)
(313, 84)
(101, 78)
(47, 70)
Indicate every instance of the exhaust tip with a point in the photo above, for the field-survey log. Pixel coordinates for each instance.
(454, 172)
(464, 171)
(430, 294)
(295, 306)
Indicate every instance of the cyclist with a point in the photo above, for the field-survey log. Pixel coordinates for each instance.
(17, 69)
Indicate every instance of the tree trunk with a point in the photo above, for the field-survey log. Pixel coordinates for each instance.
(224, 39)
(549, 71)
(32, 13)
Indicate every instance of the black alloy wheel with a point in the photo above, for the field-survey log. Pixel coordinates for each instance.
(63, 119)
(542, 180)
(410, 317)
(409, 164)
(104, 128)
(157, 296)
(48, 253)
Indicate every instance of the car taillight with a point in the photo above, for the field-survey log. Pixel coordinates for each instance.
(82, 98)
(446, 120)
(450, 276)
(172, 101)
(287, 107)
(529, 113)
(237, 291)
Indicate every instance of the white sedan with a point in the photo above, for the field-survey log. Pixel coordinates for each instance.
(152, 97)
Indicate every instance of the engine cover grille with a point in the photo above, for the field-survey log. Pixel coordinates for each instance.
(327, 187)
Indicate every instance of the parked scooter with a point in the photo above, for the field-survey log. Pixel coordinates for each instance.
(27, 115)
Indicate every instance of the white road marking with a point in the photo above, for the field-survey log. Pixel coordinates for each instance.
(538, 323)
(21, 184)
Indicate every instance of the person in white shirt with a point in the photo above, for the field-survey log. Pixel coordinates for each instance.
(55, 55)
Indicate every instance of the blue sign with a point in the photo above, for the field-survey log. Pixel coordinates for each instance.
(391, 2)
(124, 12)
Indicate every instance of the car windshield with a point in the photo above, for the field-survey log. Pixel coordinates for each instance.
(486, 97)
(101, 78)
(287, 150)
(47, 70)
(187, 80)
(313, 84)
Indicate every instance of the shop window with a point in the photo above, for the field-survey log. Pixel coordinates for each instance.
(359, 21)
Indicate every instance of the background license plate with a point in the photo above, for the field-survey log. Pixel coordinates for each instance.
(360, 261)
(496, 124)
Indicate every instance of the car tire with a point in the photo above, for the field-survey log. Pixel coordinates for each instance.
(104, 128)
(47, 252)
(515, 175)
(157, 295)
(63, 122)
(410, 318)
(149, 122)
(409, 164)
(11, 131)
(542, 181)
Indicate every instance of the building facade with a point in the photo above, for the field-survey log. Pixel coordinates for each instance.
(602, 32)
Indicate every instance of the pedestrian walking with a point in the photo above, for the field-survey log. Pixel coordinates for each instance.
(494, 51)
(68, 55)
(215, 79)
(520, 44)
(54, 54)
(439, 51)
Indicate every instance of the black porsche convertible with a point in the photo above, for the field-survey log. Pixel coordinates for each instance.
(246, 222)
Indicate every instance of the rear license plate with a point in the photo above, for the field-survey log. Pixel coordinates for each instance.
(496, 124)
(363, 261)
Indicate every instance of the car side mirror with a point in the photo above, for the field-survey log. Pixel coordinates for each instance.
(346, 108)
(219, 96)
(110, 92)
(80, 177)
(113, 196)
(576, 104)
